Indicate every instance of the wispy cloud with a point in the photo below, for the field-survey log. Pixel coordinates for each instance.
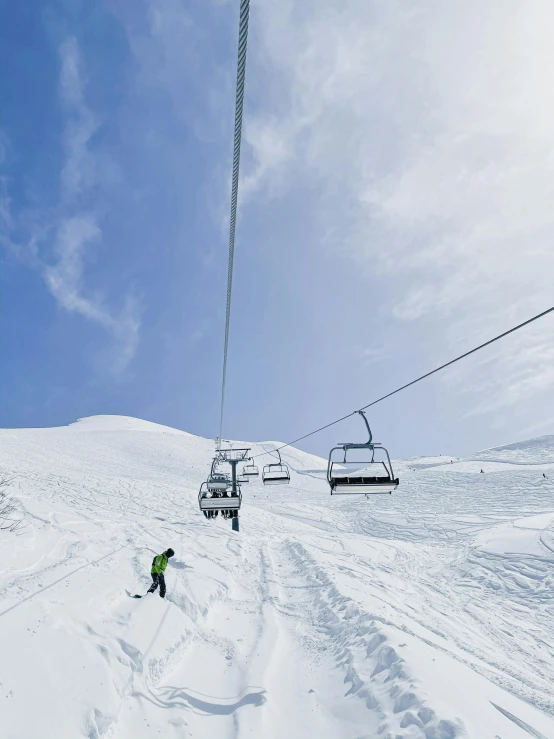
(60, 240)
(427, 133)
(367, 355)
(78, 174)
(65, 281)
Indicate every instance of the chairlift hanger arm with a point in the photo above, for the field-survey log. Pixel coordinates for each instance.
(271, 451)
(362, 414)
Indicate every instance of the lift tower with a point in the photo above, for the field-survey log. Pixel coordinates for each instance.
(233, 457)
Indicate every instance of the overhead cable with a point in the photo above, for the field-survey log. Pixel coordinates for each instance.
(413, 382)
(241, 69)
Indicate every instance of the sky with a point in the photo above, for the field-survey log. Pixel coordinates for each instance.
(395, 210)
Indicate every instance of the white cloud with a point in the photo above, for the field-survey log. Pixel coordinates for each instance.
(367, 355)
(72, 229)
(428, 133)
(65, 281)
(78, 171)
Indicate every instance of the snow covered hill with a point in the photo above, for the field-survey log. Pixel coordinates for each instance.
(425, 614)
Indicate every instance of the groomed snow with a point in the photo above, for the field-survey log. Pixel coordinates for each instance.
(428, 613)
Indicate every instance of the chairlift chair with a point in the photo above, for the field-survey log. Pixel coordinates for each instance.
(277, 473)
(209, 501)
(341, 482)
(250, 470)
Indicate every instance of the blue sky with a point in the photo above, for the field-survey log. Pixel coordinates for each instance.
(395, 209)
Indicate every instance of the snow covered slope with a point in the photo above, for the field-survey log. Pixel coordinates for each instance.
(539, 453)
(425, 614)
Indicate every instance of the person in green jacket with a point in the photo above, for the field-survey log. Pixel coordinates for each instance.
(159, 563)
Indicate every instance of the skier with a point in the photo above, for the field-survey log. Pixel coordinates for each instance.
(482, 470)
(159, 563)
(544, 476)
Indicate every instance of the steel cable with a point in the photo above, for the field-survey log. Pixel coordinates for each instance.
(241, 69)
(413, 382)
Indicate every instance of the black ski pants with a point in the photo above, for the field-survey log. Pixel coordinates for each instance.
(157, 580)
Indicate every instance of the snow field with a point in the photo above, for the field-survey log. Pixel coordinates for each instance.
(425, 614)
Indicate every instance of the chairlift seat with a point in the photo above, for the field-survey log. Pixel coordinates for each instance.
(362, 485)
(231, 503)
(275, 474)
(276, 480)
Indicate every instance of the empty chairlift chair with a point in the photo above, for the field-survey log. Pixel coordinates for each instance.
(276, 474)
(250, 470)
(370, 477)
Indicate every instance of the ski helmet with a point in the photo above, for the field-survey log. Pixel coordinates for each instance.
(170, 552)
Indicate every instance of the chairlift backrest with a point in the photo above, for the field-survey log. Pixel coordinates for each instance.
(218, 481)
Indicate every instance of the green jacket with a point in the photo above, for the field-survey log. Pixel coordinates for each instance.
(159, 564)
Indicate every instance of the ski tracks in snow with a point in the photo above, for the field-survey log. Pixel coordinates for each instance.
(423, 615)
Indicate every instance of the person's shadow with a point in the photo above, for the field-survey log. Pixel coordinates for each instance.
(180, 565)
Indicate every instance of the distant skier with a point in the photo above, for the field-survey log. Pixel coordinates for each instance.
(544, 476)
(482, 470)
(159, 563)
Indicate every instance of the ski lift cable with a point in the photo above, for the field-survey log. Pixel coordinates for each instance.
(239, 100)
(413, 382)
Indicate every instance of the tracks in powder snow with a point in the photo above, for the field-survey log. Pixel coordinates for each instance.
(329, 627)
(306, 633)
(273, 630)
(180, 683)
(424, 590)
(321, 618)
